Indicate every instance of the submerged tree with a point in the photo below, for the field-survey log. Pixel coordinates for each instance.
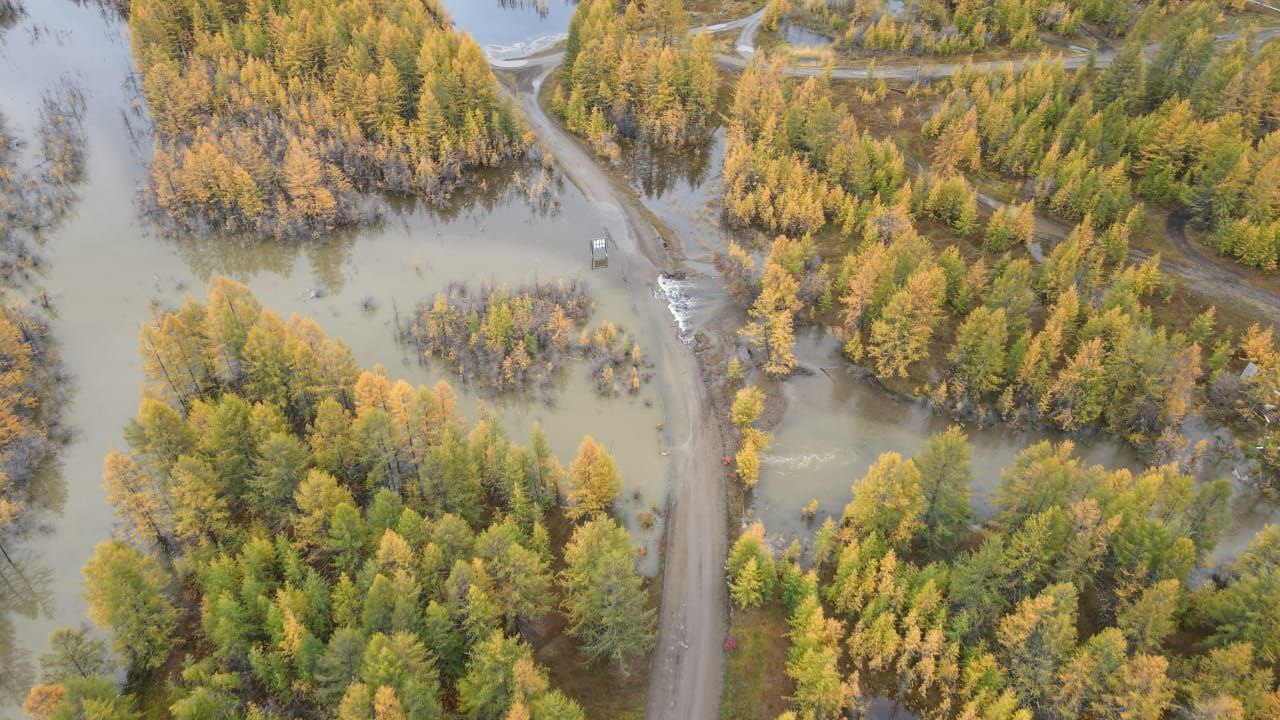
(994, 625)
(126, 594)
(596, 482)
(273, 117)
(631, 70)
(517, 339)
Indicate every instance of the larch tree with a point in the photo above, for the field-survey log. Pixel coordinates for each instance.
(596, 481)
(125, 592)
(813, 662)
(773, 317)
(74, 653)
(345, 545)
(888, 500)
(900, 336)
(748, 405)
(139, 497)
(1035, 640)
(945, 479)
(604, 598)
(395, 99)
(746, 588)
(980, 349)
(1076, 399)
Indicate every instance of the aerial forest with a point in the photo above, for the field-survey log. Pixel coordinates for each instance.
(632, 70)
(279, 118)
(929, 349)
(33, 200)
(1079, 598)
(937, 297)
(936, 27)
(1193, 128)
(300, 537)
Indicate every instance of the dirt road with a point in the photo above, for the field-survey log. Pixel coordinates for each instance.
(1216, 276)
(688, 665)
(745, 48)
(686, 675)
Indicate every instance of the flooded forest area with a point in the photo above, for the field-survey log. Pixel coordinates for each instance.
(560, 359)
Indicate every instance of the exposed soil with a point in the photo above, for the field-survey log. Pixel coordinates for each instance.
(687, 668)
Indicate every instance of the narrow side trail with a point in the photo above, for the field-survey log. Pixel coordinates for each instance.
(1214, 278)
(745, 49)
(688, 664)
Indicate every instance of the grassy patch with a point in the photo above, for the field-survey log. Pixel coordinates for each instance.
(756, 684)
(603, 693)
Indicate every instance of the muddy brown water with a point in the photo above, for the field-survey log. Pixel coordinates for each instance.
(837, 424)
(106, 264)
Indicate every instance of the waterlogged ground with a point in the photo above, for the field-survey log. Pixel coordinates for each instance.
(105, 265)
(794, 34)
(838, 423)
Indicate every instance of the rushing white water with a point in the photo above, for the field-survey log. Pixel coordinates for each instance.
(680, 303)
(806, 461)
(500, 54)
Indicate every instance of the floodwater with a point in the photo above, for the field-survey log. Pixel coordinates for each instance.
(105, 265)
(895, 8)
(795, 34)
(682, 188)
(512, 28)
(838, 423)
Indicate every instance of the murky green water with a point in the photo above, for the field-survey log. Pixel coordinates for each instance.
(794, 34)
(105, 265)
(837, 424)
